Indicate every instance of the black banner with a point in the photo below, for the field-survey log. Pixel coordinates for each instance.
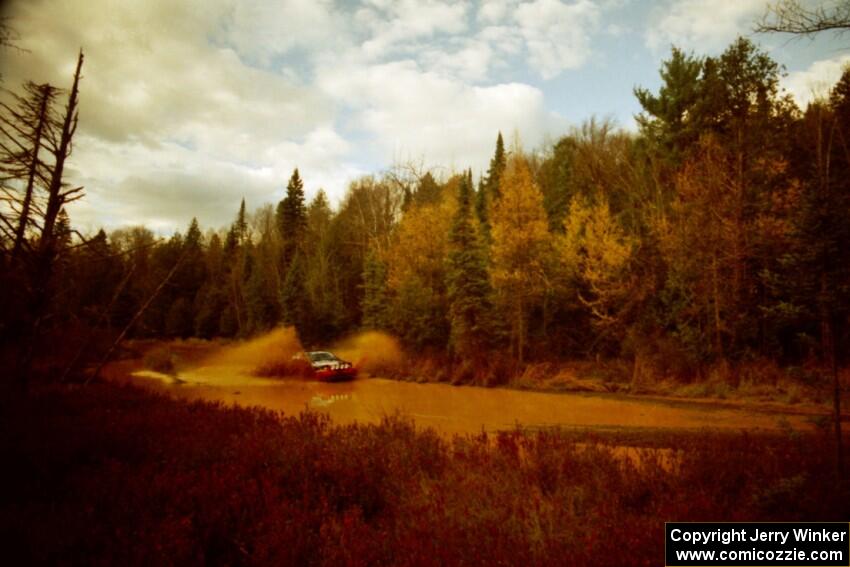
(742, 544)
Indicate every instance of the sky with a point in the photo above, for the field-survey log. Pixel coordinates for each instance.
(187, 106)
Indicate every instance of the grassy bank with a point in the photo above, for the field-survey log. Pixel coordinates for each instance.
(754, 381)
(114, 475)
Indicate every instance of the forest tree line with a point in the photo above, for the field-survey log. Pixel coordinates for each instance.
(720, 231)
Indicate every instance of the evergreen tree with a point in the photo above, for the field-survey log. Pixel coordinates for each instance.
(293, 296)
(481, 212)
(233, 320)
(490, 191)
(497, 168)
(239, 229)
(261, 303)
(375, 297)
(428, 191)
(467, 280)
(322, 272)
(818, 272)
(209, 304)
(667, 118)
(192, 272)
(178, 319)
(557, 182)
(212, 297)
(292, 218)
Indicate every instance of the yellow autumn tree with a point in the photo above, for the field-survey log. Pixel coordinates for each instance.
(417, 272)
(595, 255)
(522, 252)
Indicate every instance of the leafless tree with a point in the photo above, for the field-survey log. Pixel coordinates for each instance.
(35, 143)
(792, 17)
(26, 124)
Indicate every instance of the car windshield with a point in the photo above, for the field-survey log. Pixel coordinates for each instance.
(321, 356)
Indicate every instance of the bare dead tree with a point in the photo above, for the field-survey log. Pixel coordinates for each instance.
(35, 279)
(7, 33)
(25, 125)
(58, 194)
(792, 17)
(406, 175)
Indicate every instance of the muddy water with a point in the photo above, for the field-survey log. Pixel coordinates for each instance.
(453, 409)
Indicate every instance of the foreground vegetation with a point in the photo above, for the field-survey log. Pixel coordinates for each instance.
(114, 475)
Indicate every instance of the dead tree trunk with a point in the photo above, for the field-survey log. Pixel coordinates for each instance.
(41, 276)
(57, 198)
(46, 92)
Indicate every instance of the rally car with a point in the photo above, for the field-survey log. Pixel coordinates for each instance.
(327, 367)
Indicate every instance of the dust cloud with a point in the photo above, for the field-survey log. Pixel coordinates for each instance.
(371, 351)
(272, 354)
(275, 348)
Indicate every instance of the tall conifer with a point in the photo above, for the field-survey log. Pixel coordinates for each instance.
(467, 279)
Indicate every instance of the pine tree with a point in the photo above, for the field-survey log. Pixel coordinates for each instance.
(261, 303)
(322, 272)
(375, 297)
(497, 169)
(292, 218)
(178, 319)
(293, 296)
(233, 320)
(212, 297)
(240, 226)
(193, 271)
(490, 191)
(667, 119)
(427, 191)
(481, 212)
(467, 280)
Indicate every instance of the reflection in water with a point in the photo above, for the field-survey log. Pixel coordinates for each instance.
(324, 401)
(450, 409)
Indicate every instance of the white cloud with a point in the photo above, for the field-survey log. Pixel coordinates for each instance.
(504, 39)
(702, 25)
(260, 29)
(166, 185)
(554, 34)
(409, 20)
(557, 34)
(816, 81)
(470, 59)
(173, 125)
(188, 106)
(494, 11)
(423, 114)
